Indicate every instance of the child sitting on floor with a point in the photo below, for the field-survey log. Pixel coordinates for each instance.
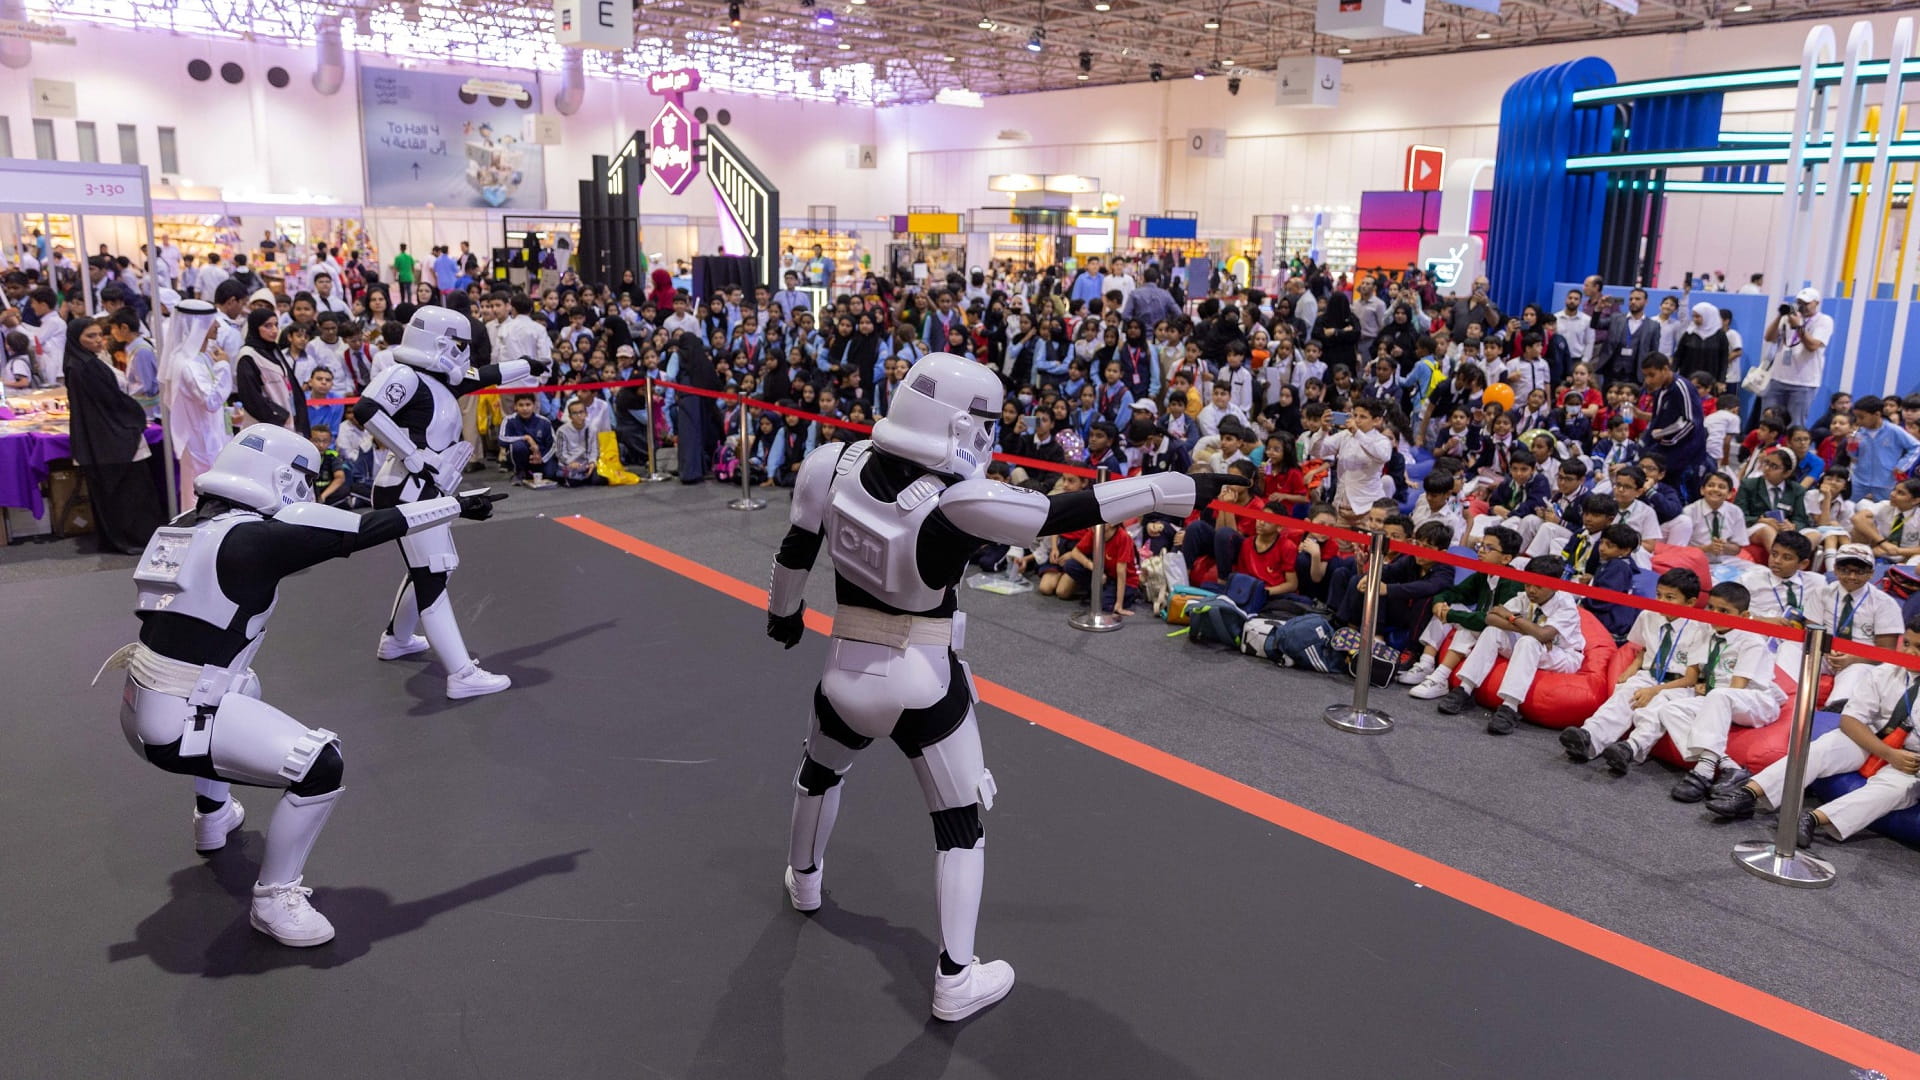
(1538, 631)
(1462, 610)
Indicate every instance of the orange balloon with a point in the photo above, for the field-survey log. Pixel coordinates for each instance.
(1500, 393)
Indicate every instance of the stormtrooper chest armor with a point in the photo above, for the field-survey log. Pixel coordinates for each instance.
(178, 573)
(875, 543)
(443, 423)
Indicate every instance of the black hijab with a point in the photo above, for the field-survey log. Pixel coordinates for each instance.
(256, 320)
(107, 426)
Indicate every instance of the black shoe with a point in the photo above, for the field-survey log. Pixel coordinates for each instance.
(1730, 775)
(1732, 803)
(1455, 702)
(1619, 758)
(1806, 830)
(1578, 744)
(1690, 788)
(1503, 721)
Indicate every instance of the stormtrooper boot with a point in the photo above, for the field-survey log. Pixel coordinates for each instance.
(210, 829)
(465, 678)
(959, 875)
(280, 906)
(399, 639)
(813, 818)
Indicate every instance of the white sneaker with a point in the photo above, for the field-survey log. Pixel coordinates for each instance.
(393, 648)
(956, 997)
(210, 830)
(1418, 673)
(804, 889)
(475, 681)
(1433, 686)
(282, 913)
(539, 482)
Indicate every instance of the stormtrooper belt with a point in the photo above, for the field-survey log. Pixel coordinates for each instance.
(200, 685)
(899, 631)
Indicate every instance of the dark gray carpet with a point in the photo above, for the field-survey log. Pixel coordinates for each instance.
(581, 877)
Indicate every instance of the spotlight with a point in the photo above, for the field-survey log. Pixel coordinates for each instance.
(1212, 23)
(843, 46)
(1102, 5)
(1343, 50)
(948, 58)
(1082, 77)
(985, 23)
(733, 14)
(823, 17)
(1155, 72)
(1199, 74)
(1086, 60)
(1233, 85)
(1037, 40)
(1482, 36)
(1228, 62)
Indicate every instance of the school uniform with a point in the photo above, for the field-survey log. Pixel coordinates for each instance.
(1239, 383)
(1698, 721)
(1468, 602)
(1526, 655)
(1645, 522)
(1617, 575)
(1665, 644)
(1858, 617)
(1520, 501)
(1726, 523)
(1884, 704)
(1899, 526)
(1581, 551)
(1450, 513)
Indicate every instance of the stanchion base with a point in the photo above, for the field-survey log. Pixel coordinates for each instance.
(744, 503)
(1364, 721)
(1096, 622)
(1799, 870)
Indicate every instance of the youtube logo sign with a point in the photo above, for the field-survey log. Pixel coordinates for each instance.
(1425, 164)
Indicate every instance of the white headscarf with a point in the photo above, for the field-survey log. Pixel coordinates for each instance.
(1709, 319)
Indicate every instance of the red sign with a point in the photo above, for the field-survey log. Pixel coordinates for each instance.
(672, 148)
(1425, 164)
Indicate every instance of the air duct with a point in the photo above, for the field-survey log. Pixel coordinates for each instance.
(15, 53)
(329, 56)
(573, 82)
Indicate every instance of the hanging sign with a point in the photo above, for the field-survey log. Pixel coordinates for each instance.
(38, 33)
(594, 24)
(671, 144)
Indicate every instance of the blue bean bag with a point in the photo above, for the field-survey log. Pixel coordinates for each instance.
(1901, 825)
(1419, 466)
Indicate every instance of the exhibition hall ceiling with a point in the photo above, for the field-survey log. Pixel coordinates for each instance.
(903, 51)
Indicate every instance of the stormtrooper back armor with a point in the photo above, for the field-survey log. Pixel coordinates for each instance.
(177, 574)
(876, 544)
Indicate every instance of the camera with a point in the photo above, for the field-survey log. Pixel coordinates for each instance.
(1786, 309)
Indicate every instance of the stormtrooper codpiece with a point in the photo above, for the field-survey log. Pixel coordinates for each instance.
(208, 583)
(900, 514)
(412, 410)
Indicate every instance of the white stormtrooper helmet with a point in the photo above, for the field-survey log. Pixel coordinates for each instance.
(262, 467)
(944, 417)
(436, 340)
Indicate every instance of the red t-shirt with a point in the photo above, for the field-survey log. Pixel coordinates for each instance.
(1274, 565)
(1120, 553)
(1291, 482)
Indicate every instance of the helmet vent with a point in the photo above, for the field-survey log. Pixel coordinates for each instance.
(924, 384)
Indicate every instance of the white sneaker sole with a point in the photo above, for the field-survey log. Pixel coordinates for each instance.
(1412, 678)
(294, 943)
(793, 895)
(1428, 692)
(394, 649)
(964, 1011)
(468, 690)
(239, 817)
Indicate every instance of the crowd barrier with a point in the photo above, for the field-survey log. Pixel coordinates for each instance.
(1775, 860)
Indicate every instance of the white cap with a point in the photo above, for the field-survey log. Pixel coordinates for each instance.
(261, 296)
(1860, 553)
(1146, 405)
(1808, 295)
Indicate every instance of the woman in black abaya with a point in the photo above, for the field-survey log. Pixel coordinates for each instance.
(110, 444)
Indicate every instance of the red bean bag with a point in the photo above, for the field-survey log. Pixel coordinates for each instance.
(1679, 556)
(1757, 748)
(1754, 553)
(1562, 700)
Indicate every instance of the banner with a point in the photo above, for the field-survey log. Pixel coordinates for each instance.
(430, 139)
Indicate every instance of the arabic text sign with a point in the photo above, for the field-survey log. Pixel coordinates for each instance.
(672, 145)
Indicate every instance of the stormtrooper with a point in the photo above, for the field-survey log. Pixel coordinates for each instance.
(412, 411)
(207, 585)
(900, 514)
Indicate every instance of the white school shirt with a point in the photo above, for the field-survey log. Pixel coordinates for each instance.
(1450, 513)
(1646, 632)
(1210, 418)
(1768, 594)
(1239, 386)
(1879, 694)
(332, 357)
(1562, 613)
(1358, 461)
(1720, 424)
(1645, 522)
(1874, 612)
(1733, 525)
(1743, 654)
(1883, 519)
(1842, 509)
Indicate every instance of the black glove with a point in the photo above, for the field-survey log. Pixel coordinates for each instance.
(537, 367)
(1207, 486)
(478, 506)
(787, 629)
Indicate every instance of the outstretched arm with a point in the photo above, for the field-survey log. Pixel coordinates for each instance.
(1005, 514)
(786, 595)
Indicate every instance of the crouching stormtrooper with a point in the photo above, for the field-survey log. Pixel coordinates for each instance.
(412, 411)
(900, 515)
(207, 585)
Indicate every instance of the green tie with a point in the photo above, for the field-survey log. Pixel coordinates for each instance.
(1846, 618)
(1902, 712)
(1664, 654)
(1793, 602)
(1713, 524)
(1713, 659)
(1899, 526)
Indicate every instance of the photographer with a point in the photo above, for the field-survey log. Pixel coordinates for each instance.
(1800, 334)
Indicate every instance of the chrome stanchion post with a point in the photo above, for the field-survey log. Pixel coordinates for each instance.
(654, 475)
(1776, 860)
(746, 501)
(1359, 717)
(1096, 619)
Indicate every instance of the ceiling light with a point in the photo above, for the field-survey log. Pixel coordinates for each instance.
(1156, 72)
(857, 3)
(1037, 40)
(843, 46)
(1212, 23)
(948, 59)
(823, 17)
(1082, 77)
(1482, 36)
(1102, 5)
(985, 23)
(1343, 50)
(1742, 9)
(956, 96)
(733, 14)
(1228, 62)
(1199, 74)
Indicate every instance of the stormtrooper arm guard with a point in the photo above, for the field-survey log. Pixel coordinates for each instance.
(374, 413)
(391, 437)
(786, 595)
(1005, 514)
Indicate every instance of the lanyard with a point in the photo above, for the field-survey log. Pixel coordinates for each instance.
(1903, 712)
(1791, 605)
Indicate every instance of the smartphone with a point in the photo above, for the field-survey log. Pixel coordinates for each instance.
(1028, 422)
(1339, 419)
(1775, 515)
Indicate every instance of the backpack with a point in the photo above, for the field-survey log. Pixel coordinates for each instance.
(1386, 658)
(1215, 622)
(1305, 642)
(1901, 582)
(1261, 637)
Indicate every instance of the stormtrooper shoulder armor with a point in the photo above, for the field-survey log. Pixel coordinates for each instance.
(394, 388)
(179, 573)
(312, 515)
(995, 511)
(813, 487)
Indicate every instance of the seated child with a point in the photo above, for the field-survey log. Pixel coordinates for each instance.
(1830, 507)
(1617, 545)
(1719, 528)
(528, 438)
(1462, 610)
(1660, 668)
(330, 479)
(1538, 631)
(320, 387)
(1408, 585)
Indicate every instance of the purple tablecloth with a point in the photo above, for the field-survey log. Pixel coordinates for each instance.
(24, 460)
